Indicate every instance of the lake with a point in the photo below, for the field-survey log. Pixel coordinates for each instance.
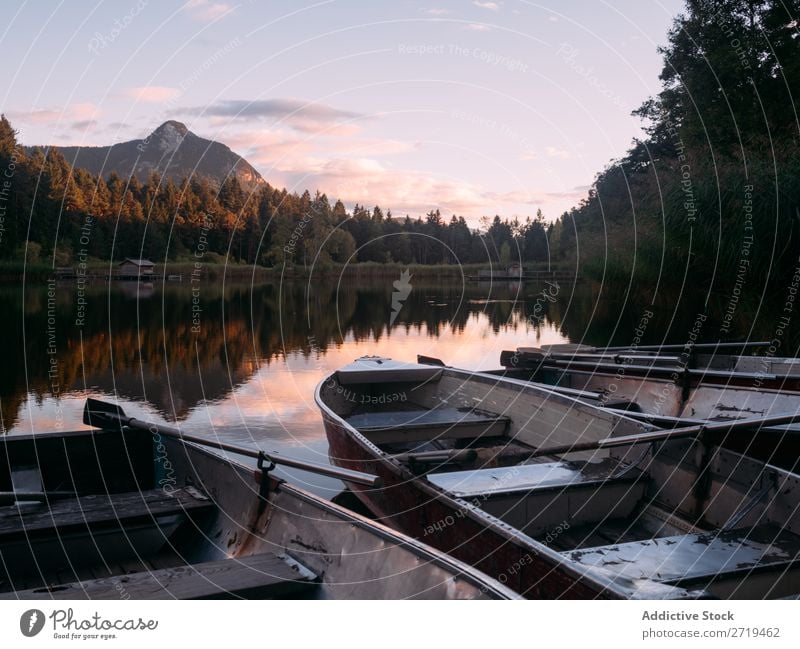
(240, 362)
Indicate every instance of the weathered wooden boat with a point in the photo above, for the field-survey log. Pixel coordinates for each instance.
(702, 383)
(133, 511)
(557, 498)
(676, 387)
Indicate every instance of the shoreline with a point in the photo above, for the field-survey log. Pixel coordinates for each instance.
(100, 273)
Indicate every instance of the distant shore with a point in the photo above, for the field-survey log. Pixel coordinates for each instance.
(98, 271)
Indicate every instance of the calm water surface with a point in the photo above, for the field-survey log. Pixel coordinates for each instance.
(241, 363)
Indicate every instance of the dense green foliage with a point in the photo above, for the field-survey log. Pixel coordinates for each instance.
(711, 196)
(60, 216)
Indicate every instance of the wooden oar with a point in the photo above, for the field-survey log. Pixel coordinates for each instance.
(109, 416)
(720, 345)
(569, 348)
(675, 433)
(536, 354)
(665, 420)
(506, 359)
(429, 360)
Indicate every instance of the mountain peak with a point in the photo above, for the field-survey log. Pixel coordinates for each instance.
(172, 125)
(169, 135)
(172, 151)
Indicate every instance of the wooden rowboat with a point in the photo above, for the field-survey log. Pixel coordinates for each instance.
(130, 513)
(674, 389)
(557, 498)
(701, 384)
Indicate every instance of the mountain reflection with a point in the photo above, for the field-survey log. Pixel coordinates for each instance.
(147, 344)
(248, 351)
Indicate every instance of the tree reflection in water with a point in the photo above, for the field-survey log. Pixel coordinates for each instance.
(249, 368)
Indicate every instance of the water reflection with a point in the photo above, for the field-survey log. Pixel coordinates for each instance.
(241, 352)
(241, 362)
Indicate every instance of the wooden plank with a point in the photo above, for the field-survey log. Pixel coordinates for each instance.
(678, 558)
(94, 510)
(101, 569)
(530, 477)
(371, 370)
(258, 576)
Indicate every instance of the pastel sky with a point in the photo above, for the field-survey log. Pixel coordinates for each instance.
(474, 107)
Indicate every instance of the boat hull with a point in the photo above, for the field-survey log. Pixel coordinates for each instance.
(701, 400)
(532, 531)
(356, 558)
(162, 518)
(410, 505)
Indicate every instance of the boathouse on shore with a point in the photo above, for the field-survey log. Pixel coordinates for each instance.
(135, 268)
(511, 271)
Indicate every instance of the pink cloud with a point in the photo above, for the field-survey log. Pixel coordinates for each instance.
(414, 192)
(41, 116)
(492, 6)
(381, 147)
(81, 112)
(151, 94)
(359, 169)
(207, 11)
(302, 116)
(295, 152)
(269, 147)
(366, 180)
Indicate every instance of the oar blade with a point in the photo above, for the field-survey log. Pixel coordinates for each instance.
(430, 360)
(102, 414)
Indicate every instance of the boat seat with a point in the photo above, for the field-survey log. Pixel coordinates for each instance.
(86, 529)
(397, 426)
(783, 367)
(545, 476)
(65, 514)
(373, 369)
(720, 562)
(536, 498)
(264, 575)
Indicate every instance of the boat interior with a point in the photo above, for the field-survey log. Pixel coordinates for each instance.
(99, 515)
(96, 514)
(683, 513)
(712, 386)
(671, 396)
(662, 394)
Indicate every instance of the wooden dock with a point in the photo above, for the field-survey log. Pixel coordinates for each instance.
(531, 276)
(71, 275)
